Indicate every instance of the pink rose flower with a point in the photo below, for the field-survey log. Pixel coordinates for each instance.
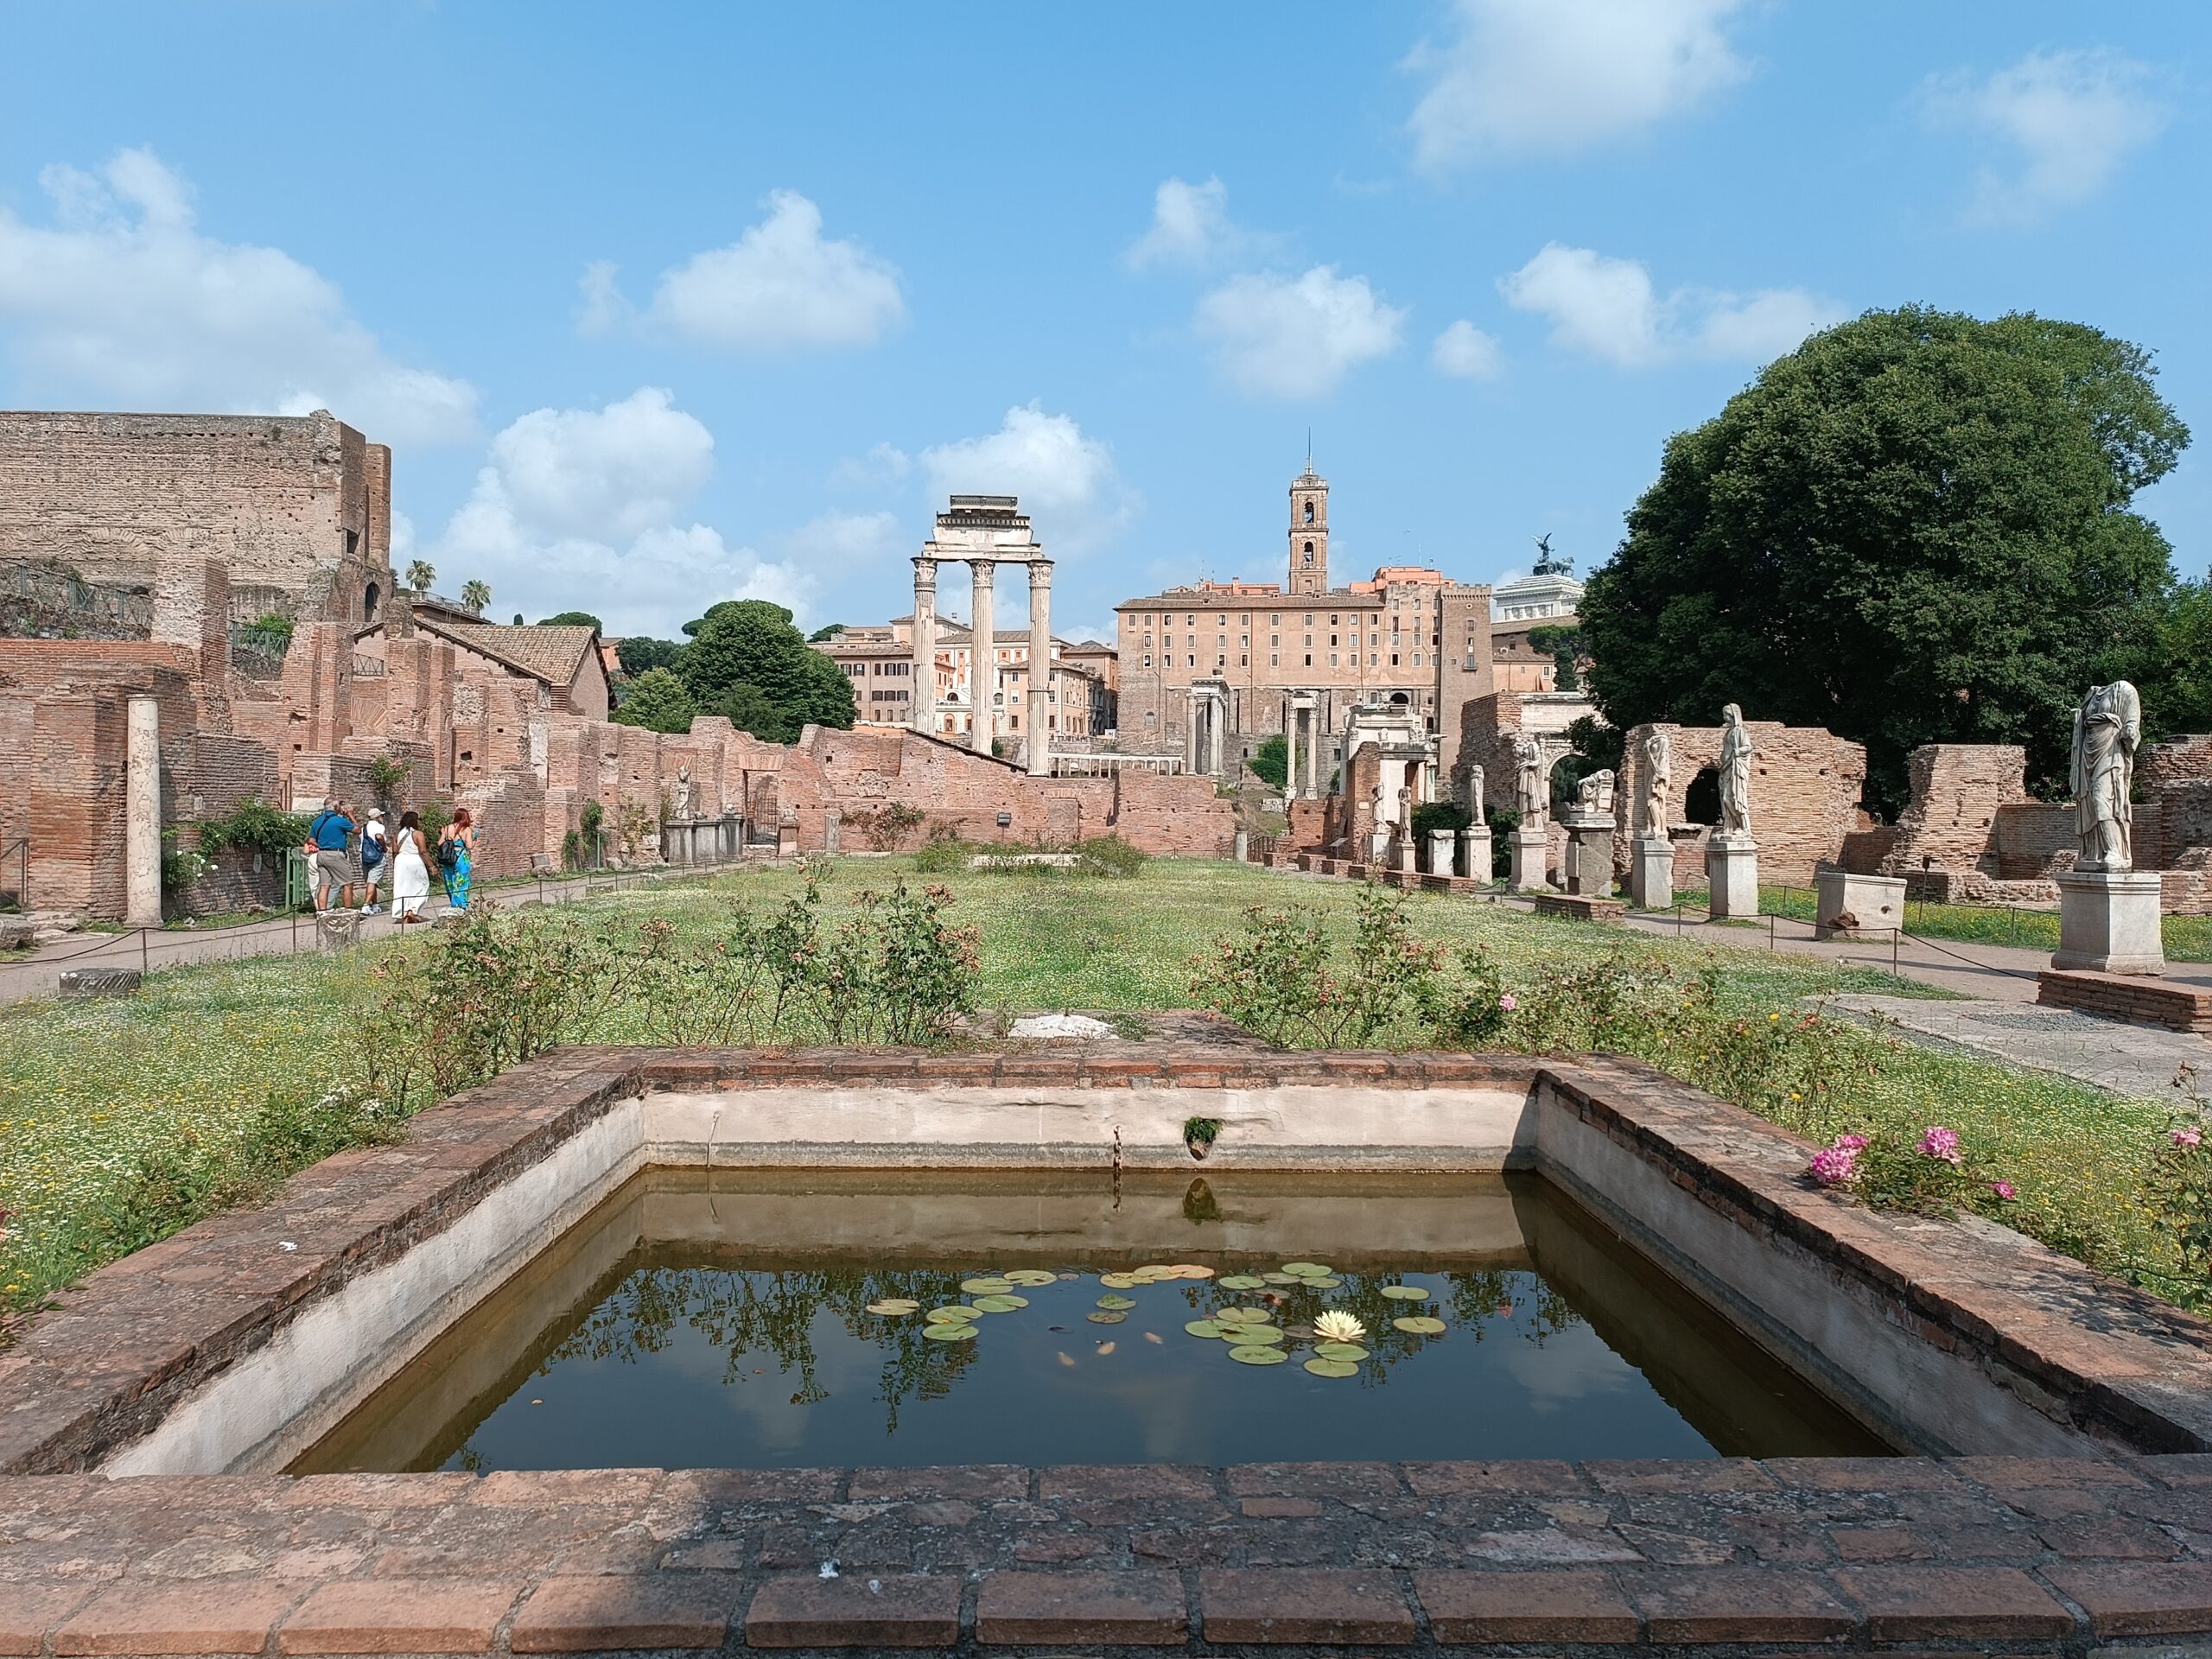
(2189, 1140)
(1852, 1142)
(1509, 1001)
(1941, 1143)
(2003, 1190)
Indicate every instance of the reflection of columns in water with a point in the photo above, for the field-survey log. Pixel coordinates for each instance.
(1040, 667)
(922, 704)
(983, 655)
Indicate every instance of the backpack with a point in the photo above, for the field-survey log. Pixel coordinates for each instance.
(449, 854)
(372, 851)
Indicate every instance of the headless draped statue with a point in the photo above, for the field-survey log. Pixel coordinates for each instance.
(1530, 795)
(682, 792)
(1736, 753)
(2107, 728)
(1658, 784)
(1475, 795)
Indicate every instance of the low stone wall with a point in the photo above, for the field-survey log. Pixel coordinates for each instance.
(2140, 1001)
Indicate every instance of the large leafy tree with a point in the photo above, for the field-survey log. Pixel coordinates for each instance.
(572, 620)
(751, 642)
(640, 653)
(658, 701)
(1914, 528)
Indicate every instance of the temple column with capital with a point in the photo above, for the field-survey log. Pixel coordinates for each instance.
(922, 703)
(1290, 716)
(983, 655)
(1040, 667)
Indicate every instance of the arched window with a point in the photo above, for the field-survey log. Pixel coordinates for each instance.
(1309, 513)
(369, 601)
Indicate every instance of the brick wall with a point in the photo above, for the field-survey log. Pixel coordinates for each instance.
(1951, 818)
(2033, 839)
(1805, 788)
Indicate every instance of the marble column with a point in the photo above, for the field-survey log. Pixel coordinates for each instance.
(983, 655)
(1290, 713)
(1040, 667)
(922, 703)
(142, 814)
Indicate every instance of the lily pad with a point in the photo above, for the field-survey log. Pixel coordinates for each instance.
(1264, 1335)
(1306, 1269)
(1031, 1277)
(1242, 1316)
(988, 1286)
(1258, 1356)
(1340, 1350)
(1407, 1294)
(1328, 1281)
(1192, 1270)
(1001, 1304)
(949, 1331)
(1422, 1325)
(950, 1313)
(1208, 1328)
(1106, 1318)
(1123, 1303)
(894, 1306)
(1118, 1280)
(1281, 1278)
(1331, 1367)
(1242, 1281)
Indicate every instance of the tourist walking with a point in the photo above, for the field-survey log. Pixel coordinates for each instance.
(329, 863)
(375, 845)
(411, 871)
(457, 857)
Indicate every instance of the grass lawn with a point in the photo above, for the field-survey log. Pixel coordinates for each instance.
(88, 1089)
(2188, 938)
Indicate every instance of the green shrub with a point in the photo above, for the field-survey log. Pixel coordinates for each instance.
(1110, 855)
(943, 852)
(1441, 815)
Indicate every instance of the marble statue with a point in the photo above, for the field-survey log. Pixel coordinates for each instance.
(1405, 806)
(682, 792)
(2107, 728)
(1531, 795)
(1658, 783)
(1475, 795)
(1595, 793)
(1736, 752)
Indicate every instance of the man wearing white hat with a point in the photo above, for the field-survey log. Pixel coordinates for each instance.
(373, 847)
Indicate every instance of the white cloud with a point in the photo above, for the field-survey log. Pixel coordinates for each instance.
(2067, 118)
(1191, 226)
(863, 545)
(780, 288)
(580, 509)
(1296, 337)
(1465, 353)
(121, 301)
(884, 464)
(603, 306)
(1067, 482)
(1555, 76)
(1607, 309)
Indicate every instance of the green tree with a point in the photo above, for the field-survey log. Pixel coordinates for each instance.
(752, 642)
(420, 575)
(1270, 762)
(1568, 650)
(750, 709)
(640, 653)
(1913, 529)
(827, 631)
(573, 619)
(658, 701)
(476, 594)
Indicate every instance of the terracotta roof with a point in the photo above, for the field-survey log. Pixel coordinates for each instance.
(551, 654)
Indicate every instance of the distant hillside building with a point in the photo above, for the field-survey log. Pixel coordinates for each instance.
(878, 659)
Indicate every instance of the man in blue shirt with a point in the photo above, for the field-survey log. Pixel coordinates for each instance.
(329, 839)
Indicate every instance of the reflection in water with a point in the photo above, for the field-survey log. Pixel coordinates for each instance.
(683, 1325)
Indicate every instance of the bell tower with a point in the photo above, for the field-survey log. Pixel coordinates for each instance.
(1309, 532)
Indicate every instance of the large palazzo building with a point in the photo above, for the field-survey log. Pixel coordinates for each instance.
(1406, 638)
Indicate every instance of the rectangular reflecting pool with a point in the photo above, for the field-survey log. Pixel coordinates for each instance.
(762, 1319)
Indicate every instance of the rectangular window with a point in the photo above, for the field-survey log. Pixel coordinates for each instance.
(1394, 659)
(1309, 659)
(1148, 659)
(1273, 661)
(1370, 659)
(1276, 621)
(1243, 662)
(1333, 659)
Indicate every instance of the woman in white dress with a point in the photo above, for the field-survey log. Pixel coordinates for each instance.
(411, 871)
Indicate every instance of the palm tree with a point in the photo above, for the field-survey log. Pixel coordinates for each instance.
(420, 576)
(476, 596)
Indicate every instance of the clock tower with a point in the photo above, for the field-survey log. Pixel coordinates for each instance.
(1309, 532)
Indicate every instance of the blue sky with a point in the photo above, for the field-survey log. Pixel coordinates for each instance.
(661, 305)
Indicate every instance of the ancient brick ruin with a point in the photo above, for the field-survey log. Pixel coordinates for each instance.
(149, 543)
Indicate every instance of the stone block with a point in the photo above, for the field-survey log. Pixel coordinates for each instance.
(855, 1612)
(1731, 871)
(1534, 1607)
(1589, 854)
(1140, 1608)
(2108, 922)
(1651, 873)
(1317, 1606)
(1529, 848)
(1475, 853)
(609, 1612)
(399, 1616)
(100, 981)
(2165, 1599)
(1856, 906)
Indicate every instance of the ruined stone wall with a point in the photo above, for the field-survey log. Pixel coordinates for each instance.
(285, 504)
(1950, 820)
(1805, 787)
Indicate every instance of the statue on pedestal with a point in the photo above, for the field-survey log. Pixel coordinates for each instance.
(1475, 795)
(1736, 752)
(1658, 784)
(2107, 728)
(1594, 794)
(682, 792)
(1405, 809)
(1531, 794)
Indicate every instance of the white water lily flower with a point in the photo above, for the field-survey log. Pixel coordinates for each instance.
(1334, 1326)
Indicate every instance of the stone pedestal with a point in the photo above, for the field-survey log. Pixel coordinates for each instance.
(1401, 851)
(1651, 873)
(1856, 906)
(1589, 854)
(1731, 869)
(1240, 846)
(1440, 851)
(2108, 922)
(1527, 848)
(1378, 845)
(1475, 854)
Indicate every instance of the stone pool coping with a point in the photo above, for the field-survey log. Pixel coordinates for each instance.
(1971, 1550)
